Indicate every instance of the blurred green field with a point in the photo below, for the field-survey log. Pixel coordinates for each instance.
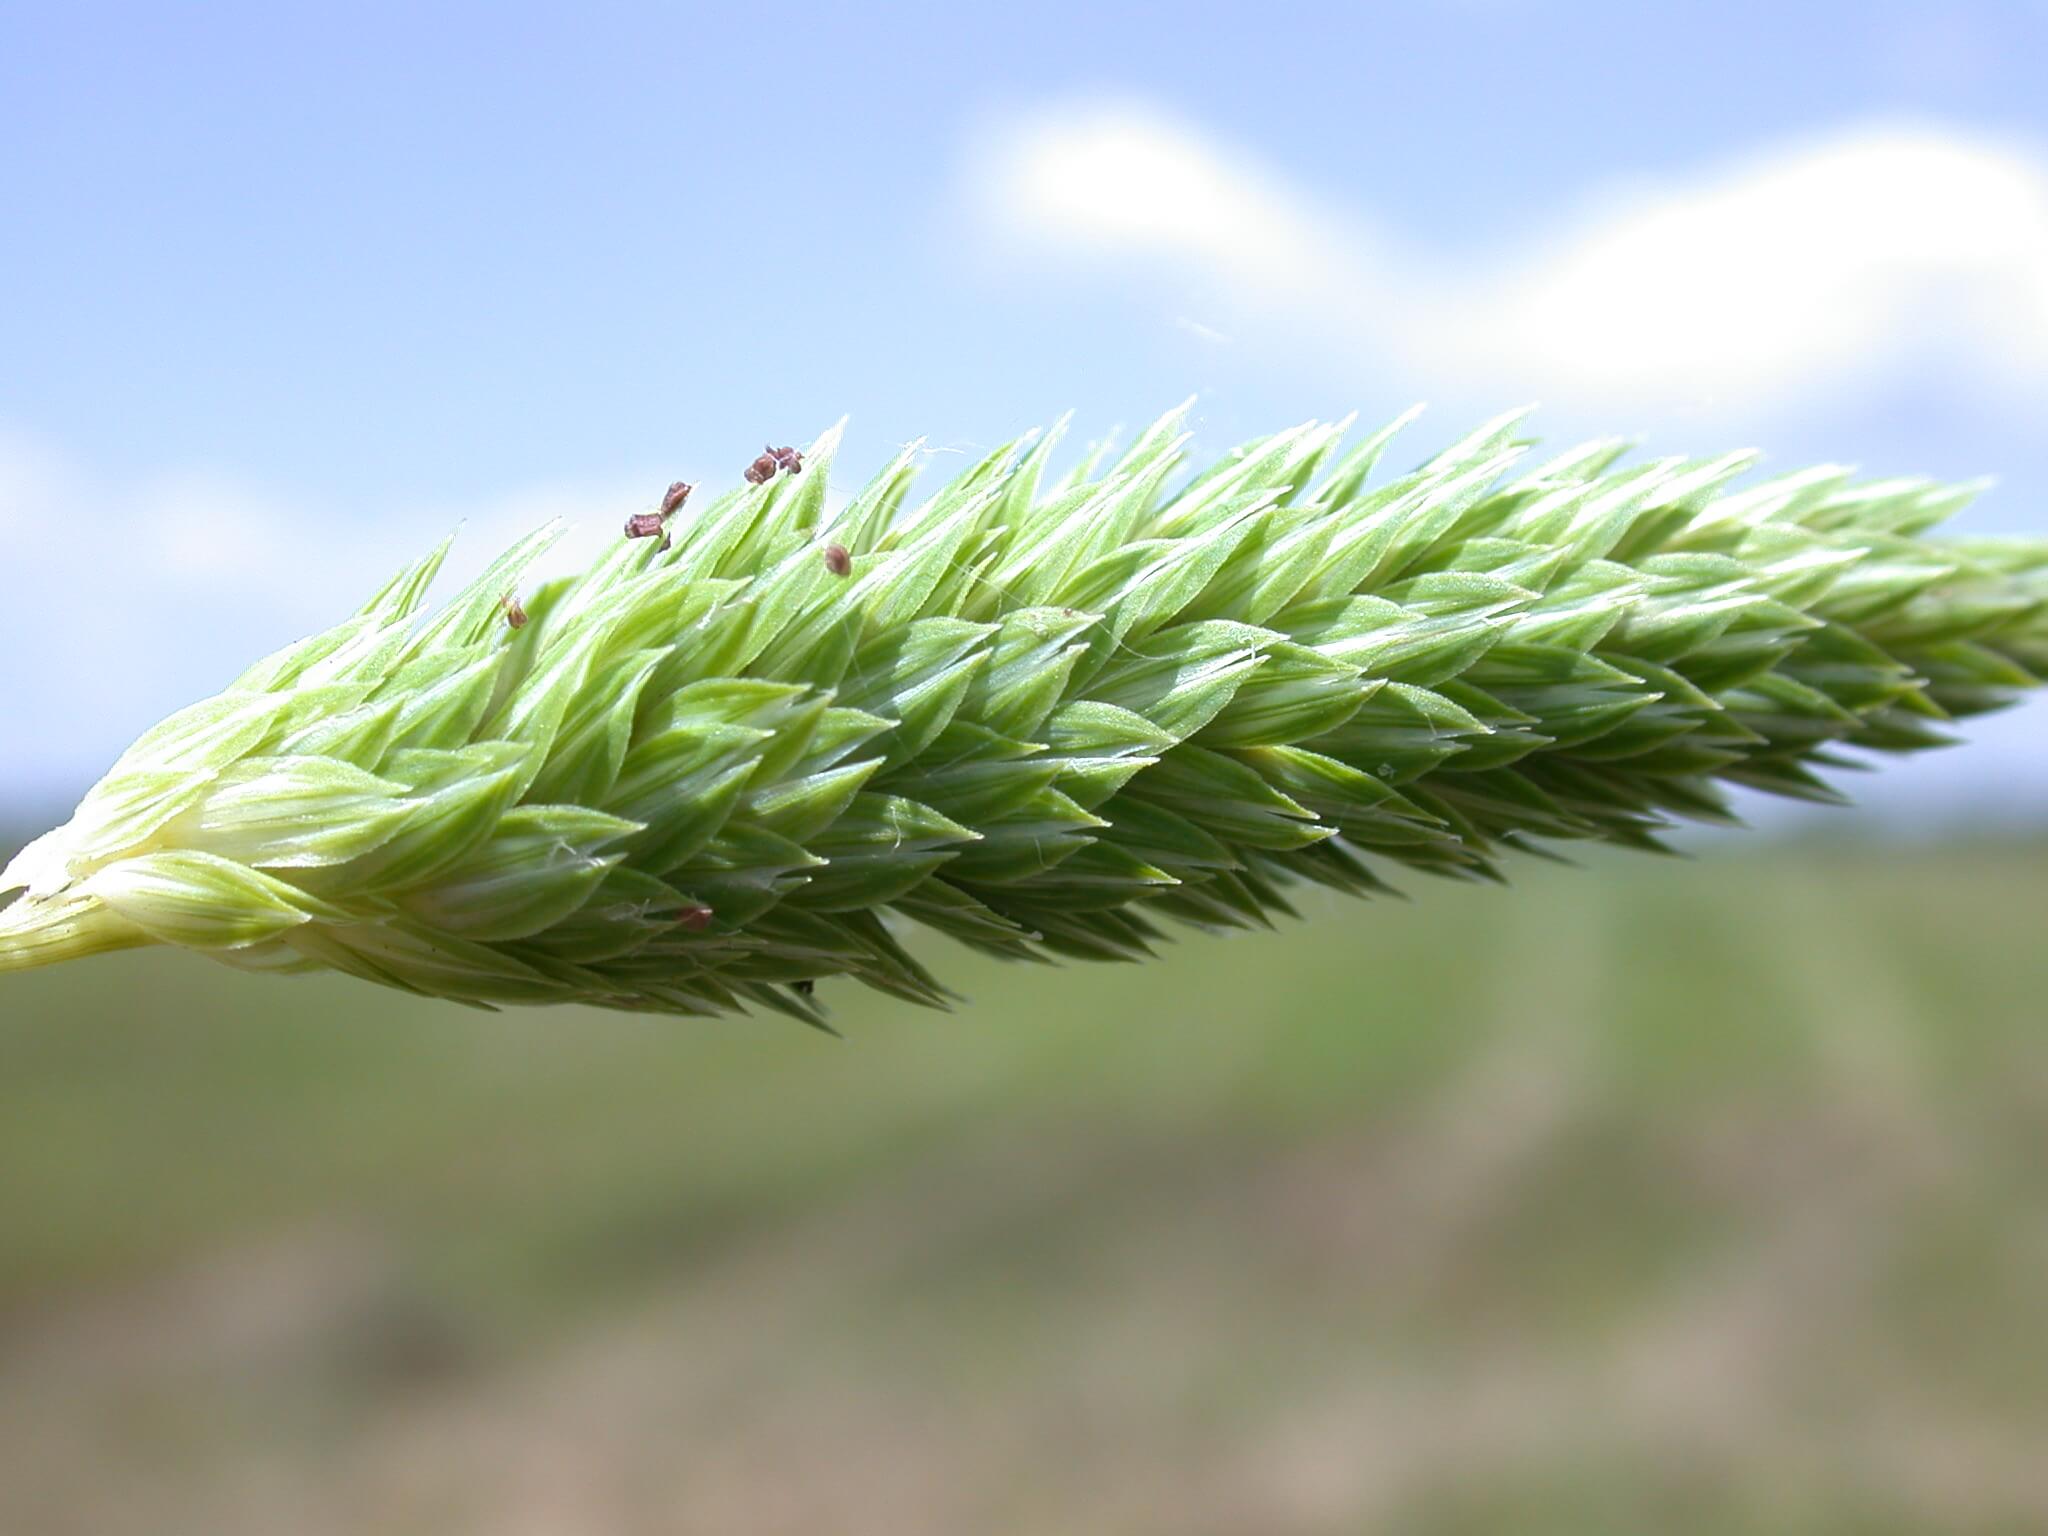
(1706, 1196)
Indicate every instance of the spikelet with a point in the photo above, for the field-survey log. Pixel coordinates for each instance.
(1042, 715)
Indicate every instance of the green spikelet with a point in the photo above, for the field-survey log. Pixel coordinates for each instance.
(1042, 715)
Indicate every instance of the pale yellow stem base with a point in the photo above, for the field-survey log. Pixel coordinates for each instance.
(38, 931)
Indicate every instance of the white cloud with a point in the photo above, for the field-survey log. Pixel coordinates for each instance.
(1863, 252)
(1127, 181)
(1877, 249)
(1199, 331)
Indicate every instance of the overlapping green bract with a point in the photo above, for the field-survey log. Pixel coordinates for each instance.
(1041, 714)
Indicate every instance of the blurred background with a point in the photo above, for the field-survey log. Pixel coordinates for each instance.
(1704, 1195)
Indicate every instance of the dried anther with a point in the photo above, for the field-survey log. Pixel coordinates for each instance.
(515, 612)
(763, 469)
(645, 525)
(696, 917)
(837, 560)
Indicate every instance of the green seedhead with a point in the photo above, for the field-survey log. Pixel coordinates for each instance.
(1042, 713)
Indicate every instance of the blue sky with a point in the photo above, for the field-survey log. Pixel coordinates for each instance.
(293, 289)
